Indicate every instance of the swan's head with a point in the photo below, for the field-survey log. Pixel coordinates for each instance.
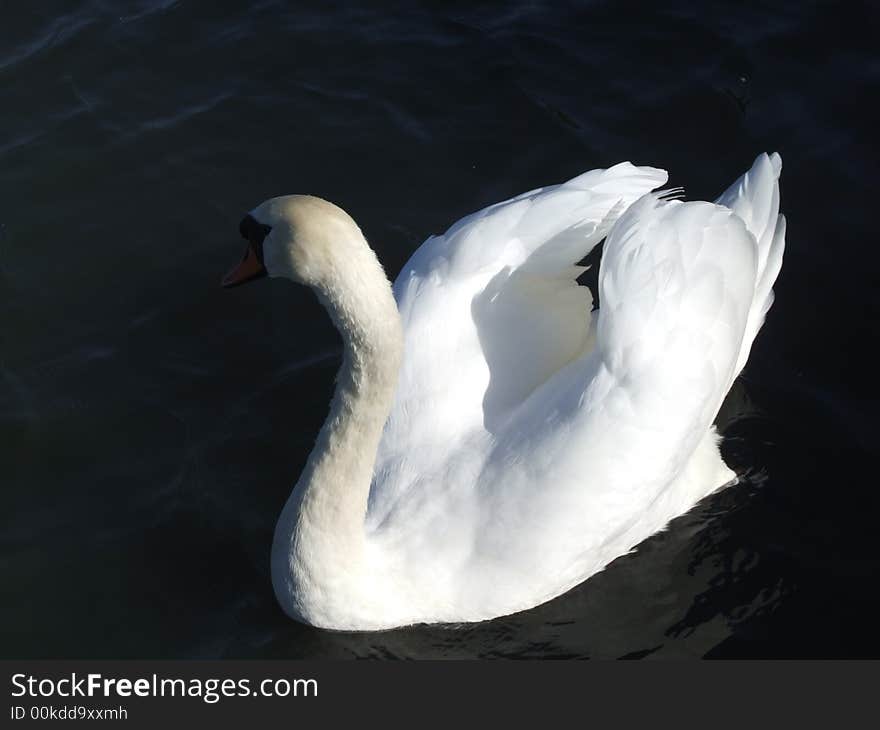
(298, 237)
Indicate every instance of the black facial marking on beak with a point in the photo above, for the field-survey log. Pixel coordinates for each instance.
(251, 265)
(254, 233)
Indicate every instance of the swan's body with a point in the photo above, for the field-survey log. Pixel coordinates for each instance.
(490, 443)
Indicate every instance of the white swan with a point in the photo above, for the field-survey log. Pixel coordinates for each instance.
(491, 443)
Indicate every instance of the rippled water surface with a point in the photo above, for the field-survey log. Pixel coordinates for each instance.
(152, 424)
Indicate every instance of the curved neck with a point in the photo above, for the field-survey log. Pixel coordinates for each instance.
(320, 535)
(335, 483)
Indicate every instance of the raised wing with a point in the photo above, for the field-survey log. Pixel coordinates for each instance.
(677, 286)
(592, 453)
(490, 311)
(684, 288)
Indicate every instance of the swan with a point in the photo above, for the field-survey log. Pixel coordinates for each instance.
(491, 443)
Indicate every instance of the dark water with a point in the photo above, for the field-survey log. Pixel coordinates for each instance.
(151, 424)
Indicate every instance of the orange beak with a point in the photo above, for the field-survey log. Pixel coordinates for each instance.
(248, 268)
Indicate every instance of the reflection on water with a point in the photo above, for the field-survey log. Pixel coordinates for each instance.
(151, 424)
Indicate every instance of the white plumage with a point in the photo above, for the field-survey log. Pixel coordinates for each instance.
(494, 444)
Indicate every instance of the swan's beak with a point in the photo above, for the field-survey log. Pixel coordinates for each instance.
(250, 267)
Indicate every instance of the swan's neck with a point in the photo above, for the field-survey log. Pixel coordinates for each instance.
(336, 481)
(319, 540)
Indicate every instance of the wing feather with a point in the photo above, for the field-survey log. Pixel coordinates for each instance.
(754, 197)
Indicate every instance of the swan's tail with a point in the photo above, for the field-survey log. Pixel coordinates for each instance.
(754, 197)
